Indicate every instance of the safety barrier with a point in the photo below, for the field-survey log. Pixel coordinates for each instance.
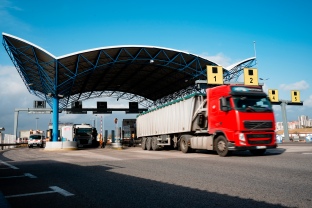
(8, 141)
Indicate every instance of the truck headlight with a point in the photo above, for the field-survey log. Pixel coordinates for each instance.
(242, 139)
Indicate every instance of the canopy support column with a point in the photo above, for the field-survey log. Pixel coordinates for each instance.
(55, 118)
(55, 108)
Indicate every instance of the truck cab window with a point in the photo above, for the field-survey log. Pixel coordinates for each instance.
(252, 104)
(225, 104)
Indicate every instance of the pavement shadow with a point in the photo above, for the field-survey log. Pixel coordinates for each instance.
(98, 186)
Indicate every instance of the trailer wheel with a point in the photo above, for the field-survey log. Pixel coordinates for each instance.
(184, 145)
(148, 143)
(257, 152)
(143, 143)
(154, 144)
(221, 146)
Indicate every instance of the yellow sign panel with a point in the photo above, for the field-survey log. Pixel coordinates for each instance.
(214, 74)
(273, 95)
(295, 96)
(251, 76)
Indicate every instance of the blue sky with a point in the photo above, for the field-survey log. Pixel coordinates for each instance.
(222, 31)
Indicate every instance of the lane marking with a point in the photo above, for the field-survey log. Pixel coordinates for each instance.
(307, 153)
(7, 164)
(55, 189)
(30, 194)
(61, 191)
(30, 175)
(25, 175)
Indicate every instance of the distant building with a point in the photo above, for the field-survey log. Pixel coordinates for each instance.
(303, 122)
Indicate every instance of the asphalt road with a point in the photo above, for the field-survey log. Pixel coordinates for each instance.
(135, 178)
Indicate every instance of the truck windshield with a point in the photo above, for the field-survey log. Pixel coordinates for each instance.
(252, 104)
(84, 131)
(34, 137)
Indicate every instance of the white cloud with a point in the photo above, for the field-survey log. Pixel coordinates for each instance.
(219, 59)
(301, 85)
(11, 81)
(308, 102)
(7, 20)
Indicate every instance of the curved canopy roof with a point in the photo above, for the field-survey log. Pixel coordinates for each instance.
(146, 74)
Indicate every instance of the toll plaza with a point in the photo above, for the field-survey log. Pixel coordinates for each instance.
(147, 75)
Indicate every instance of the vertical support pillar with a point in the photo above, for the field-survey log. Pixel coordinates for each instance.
(55, 113)
(55, 118)
(113, 136)
(285, 124)
(15, 122)
(105, 136)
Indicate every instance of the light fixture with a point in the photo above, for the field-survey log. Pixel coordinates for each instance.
(151, 61)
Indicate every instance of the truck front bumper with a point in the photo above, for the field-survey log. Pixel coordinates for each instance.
(232, 146)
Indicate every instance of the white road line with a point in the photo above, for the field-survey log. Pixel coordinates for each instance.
(7, 164)
(61, 191)
(25, 175)
(30, 194)
(30, 175)
(54, 188)
(307, 153)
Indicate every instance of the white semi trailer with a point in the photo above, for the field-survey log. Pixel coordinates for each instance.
(165, 125)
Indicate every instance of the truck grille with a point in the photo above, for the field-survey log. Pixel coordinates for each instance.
(258, 124)
(259, 138)
(83, 141)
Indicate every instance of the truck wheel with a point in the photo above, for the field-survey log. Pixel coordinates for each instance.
(148, 143)
(154, 144)
(257, 152)
(143, 143)
(184, 145)
(221, 146)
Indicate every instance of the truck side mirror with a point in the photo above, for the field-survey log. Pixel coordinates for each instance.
(224, 106)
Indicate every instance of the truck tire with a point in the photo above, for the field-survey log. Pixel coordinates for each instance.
(257, 152)
(221, 146)
(155, 147)
(143, 143)
(148, 143)
(184, 145)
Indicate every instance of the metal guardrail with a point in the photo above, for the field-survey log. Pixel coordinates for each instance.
(11, 144)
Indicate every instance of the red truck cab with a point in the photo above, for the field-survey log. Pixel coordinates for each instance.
(243, 115)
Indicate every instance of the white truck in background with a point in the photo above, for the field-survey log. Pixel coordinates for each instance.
(83, 134)
(36, 139)
(24, 135)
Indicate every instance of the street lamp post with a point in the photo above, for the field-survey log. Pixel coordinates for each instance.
(37, 124)
(93, 122)
(264, 79)
(96, 122)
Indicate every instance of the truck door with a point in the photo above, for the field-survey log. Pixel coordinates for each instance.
(224, 116)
